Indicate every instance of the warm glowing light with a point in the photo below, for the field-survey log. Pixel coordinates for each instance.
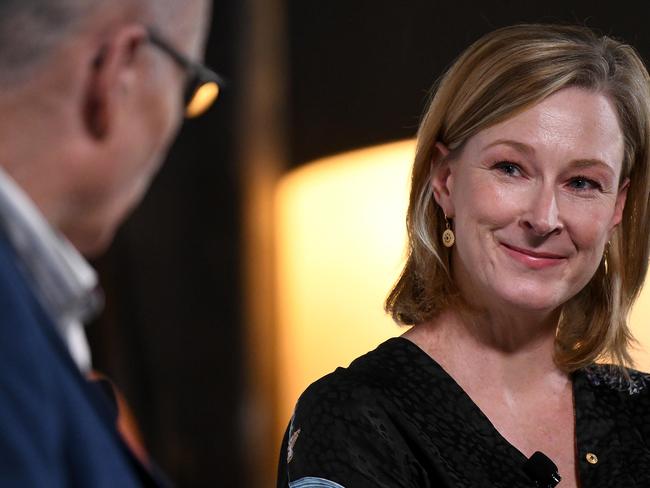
(203, 99)
(340, 245)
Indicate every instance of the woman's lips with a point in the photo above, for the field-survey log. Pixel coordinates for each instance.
(533, 259)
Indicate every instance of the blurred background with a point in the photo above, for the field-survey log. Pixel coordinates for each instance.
(260, 258)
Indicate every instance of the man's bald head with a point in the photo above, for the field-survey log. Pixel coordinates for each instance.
(32, 29)
(91, 104)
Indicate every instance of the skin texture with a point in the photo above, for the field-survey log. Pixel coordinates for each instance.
(544, 182)
(534, 200)
(90, 132)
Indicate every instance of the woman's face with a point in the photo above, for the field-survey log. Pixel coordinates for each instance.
(534, 200)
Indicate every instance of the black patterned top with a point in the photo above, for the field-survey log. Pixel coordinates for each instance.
(394, 418)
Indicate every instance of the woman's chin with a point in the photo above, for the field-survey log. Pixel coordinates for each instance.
(522, 299)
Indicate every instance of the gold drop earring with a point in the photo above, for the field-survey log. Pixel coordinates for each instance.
(448, 237)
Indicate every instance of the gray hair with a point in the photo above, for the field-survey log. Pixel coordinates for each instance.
(30, 29)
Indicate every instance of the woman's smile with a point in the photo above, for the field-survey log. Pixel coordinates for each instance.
(533, 259)
(531, 203)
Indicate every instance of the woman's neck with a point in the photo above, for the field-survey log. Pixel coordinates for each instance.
(512, 351)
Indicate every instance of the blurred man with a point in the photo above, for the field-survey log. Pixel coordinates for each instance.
(92, 93)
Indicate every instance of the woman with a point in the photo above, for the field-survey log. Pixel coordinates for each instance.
(528, 242)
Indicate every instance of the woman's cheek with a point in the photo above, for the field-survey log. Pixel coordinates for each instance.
(588, 221)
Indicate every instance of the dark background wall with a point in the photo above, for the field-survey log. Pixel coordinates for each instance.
(361, 70)
(173, 335)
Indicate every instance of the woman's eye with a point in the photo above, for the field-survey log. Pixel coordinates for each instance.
(581, 183)
(508, 168)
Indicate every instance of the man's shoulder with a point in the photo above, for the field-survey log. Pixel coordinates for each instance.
(18, 303)
(12, 279)
(25, 349)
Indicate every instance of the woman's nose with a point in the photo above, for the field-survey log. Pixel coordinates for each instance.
(542, 215)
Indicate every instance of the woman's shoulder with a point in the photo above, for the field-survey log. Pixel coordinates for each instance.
(367, 379)
(621, 395)
(625, 391)
(345, 427)
(626, 381)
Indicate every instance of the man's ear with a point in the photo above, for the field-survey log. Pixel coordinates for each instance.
(112, 75)
(442, 179)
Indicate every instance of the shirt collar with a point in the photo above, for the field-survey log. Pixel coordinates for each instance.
(63, 281)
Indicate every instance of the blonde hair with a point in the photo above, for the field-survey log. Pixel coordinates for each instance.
(498, 76)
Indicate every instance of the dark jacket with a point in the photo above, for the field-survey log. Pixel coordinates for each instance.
(56, 428)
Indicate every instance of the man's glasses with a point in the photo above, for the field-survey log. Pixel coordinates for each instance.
(203, 84)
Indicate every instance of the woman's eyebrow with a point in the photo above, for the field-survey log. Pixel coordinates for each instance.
(528, 149)
(519, 146)
(591, 162)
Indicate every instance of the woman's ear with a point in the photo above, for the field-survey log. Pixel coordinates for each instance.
(619, 207)
(442, 179)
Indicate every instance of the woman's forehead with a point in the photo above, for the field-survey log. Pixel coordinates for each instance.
(573, 121)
